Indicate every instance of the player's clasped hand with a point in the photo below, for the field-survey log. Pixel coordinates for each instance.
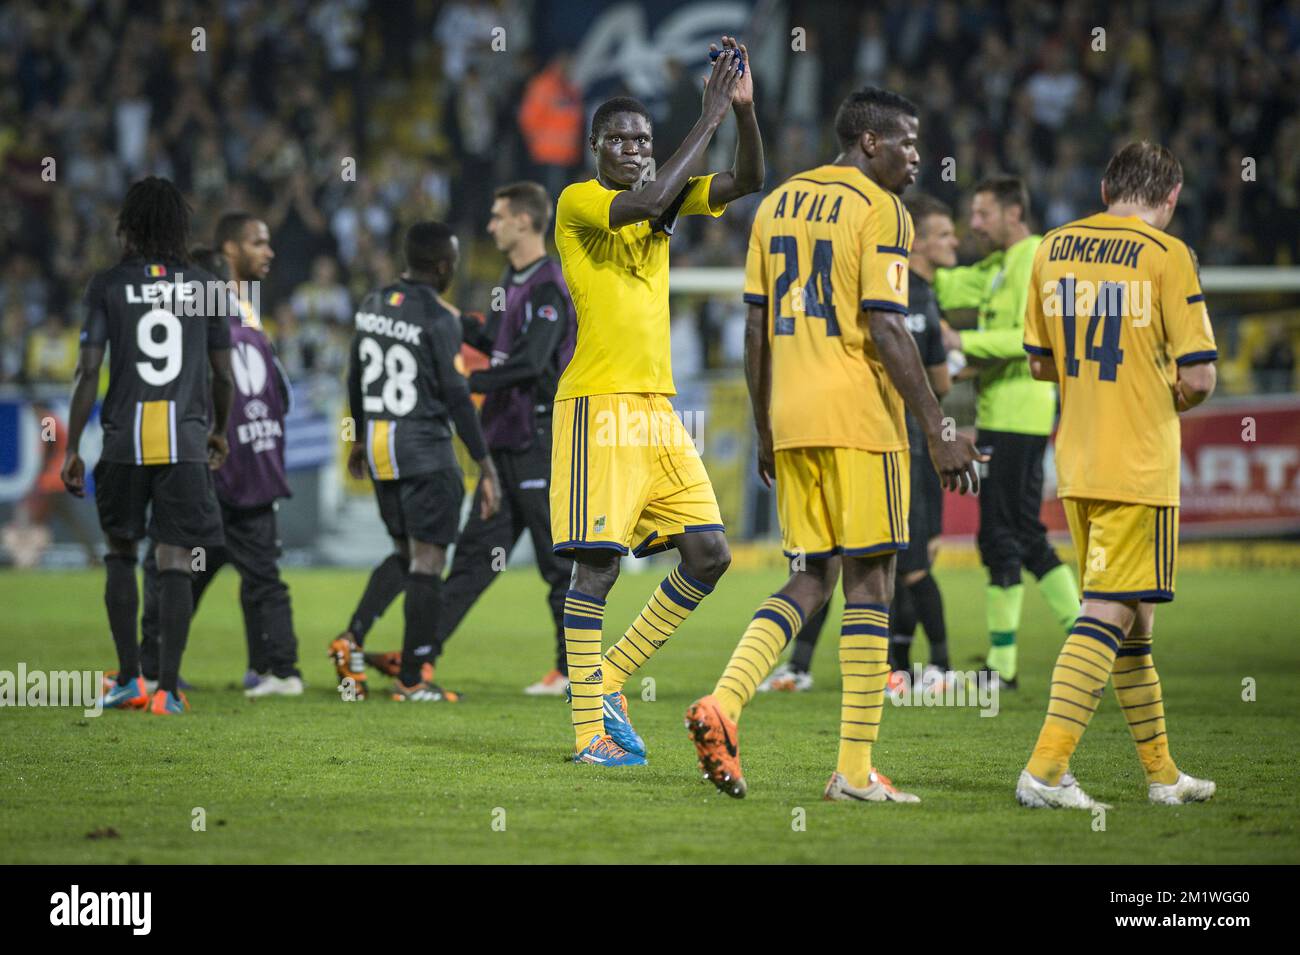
(218, 451)
(357, 461)
(720, 85)
(956, 462)
(490, 487)
(74, 475)
(743, 93)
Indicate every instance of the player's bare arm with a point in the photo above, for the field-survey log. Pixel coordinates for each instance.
(954, 460)
(223, 392)
(758, 378)
(626, 144)
(1195, 384)
(748, 170)
(84, 388)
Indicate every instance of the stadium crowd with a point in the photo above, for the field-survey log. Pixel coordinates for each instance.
(338, 122)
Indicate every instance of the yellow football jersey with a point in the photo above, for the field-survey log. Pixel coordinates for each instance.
(826, 244)
(1117, 304)
(619, 282)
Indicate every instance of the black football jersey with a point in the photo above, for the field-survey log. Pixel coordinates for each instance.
(923, 321)
(159, 320)
(402, 379)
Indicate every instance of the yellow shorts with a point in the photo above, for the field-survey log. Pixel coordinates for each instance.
(625, 475)
(842, 501)
(1125, 551)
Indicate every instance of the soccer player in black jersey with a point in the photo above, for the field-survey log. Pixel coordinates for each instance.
(405, 394)
(169, 342)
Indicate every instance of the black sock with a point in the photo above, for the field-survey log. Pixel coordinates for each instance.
(386, 582)
(122, 599)
(423, 597)
(806, 642)
(902, 628)
(929, 611)
(175, 608)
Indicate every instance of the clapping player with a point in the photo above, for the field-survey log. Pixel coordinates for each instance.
(618, 486)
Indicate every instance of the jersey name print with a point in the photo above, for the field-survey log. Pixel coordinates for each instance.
(158, 322)
(403, 362)
(826, 245)
(1117, 305)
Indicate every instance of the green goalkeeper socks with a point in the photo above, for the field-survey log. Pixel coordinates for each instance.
(1003, 608)
(1062, 595)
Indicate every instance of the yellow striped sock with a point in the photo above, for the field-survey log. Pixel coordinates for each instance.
(1137, 687)
(1078, 682)
(673, 600)
(864, 671)
(582, 620)
(775, 623)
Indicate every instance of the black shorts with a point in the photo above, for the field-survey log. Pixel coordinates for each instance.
(425, 508)
(180, 501)
(925, 517)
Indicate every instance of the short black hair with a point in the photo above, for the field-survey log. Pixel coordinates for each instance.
(212, 260)
(921, 206)
(427, 244)
(612, 107)
(529, 197)
(230, 228)
(155, 220)
(870, 108)
(1007, 191)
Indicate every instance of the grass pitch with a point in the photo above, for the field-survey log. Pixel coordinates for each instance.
(487, 780)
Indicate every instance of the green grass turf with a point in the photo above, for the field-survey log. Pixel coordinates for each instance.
(318, 780)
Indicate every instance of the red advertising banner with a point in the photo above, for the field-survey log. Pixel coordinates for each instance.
(1240, 473)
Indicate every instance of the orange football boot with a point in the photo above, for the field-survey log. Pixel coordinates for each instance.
(717, 743)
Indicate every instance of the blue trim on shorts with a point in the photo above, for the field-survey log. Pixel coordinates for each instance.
(1145, 596)
(646, 548)
(888, 547)
(587, 545)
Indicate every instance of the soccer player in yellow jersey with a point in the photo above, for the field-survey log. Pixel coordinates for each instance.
(625, 475)
(830, 364)
(1116, 316)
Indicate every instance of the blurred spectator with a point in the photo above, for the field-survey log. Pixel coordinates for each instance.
(324, 299)
(13, 344)
(550, 118)
(51, 352)
(1273, 364)
(289, 116)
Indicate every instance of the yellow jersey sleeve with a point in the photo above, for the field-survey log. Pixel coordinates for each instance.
(584, 205)
(1187, 320)
(756, 266)
(696, 202)
(886, 244)
(1037, 339)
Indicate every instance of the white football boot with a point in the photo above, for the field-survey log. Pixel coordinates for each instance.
(880, 789)
(1036, 794)
(1182, 790)
(275, 686)
(786, 679)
